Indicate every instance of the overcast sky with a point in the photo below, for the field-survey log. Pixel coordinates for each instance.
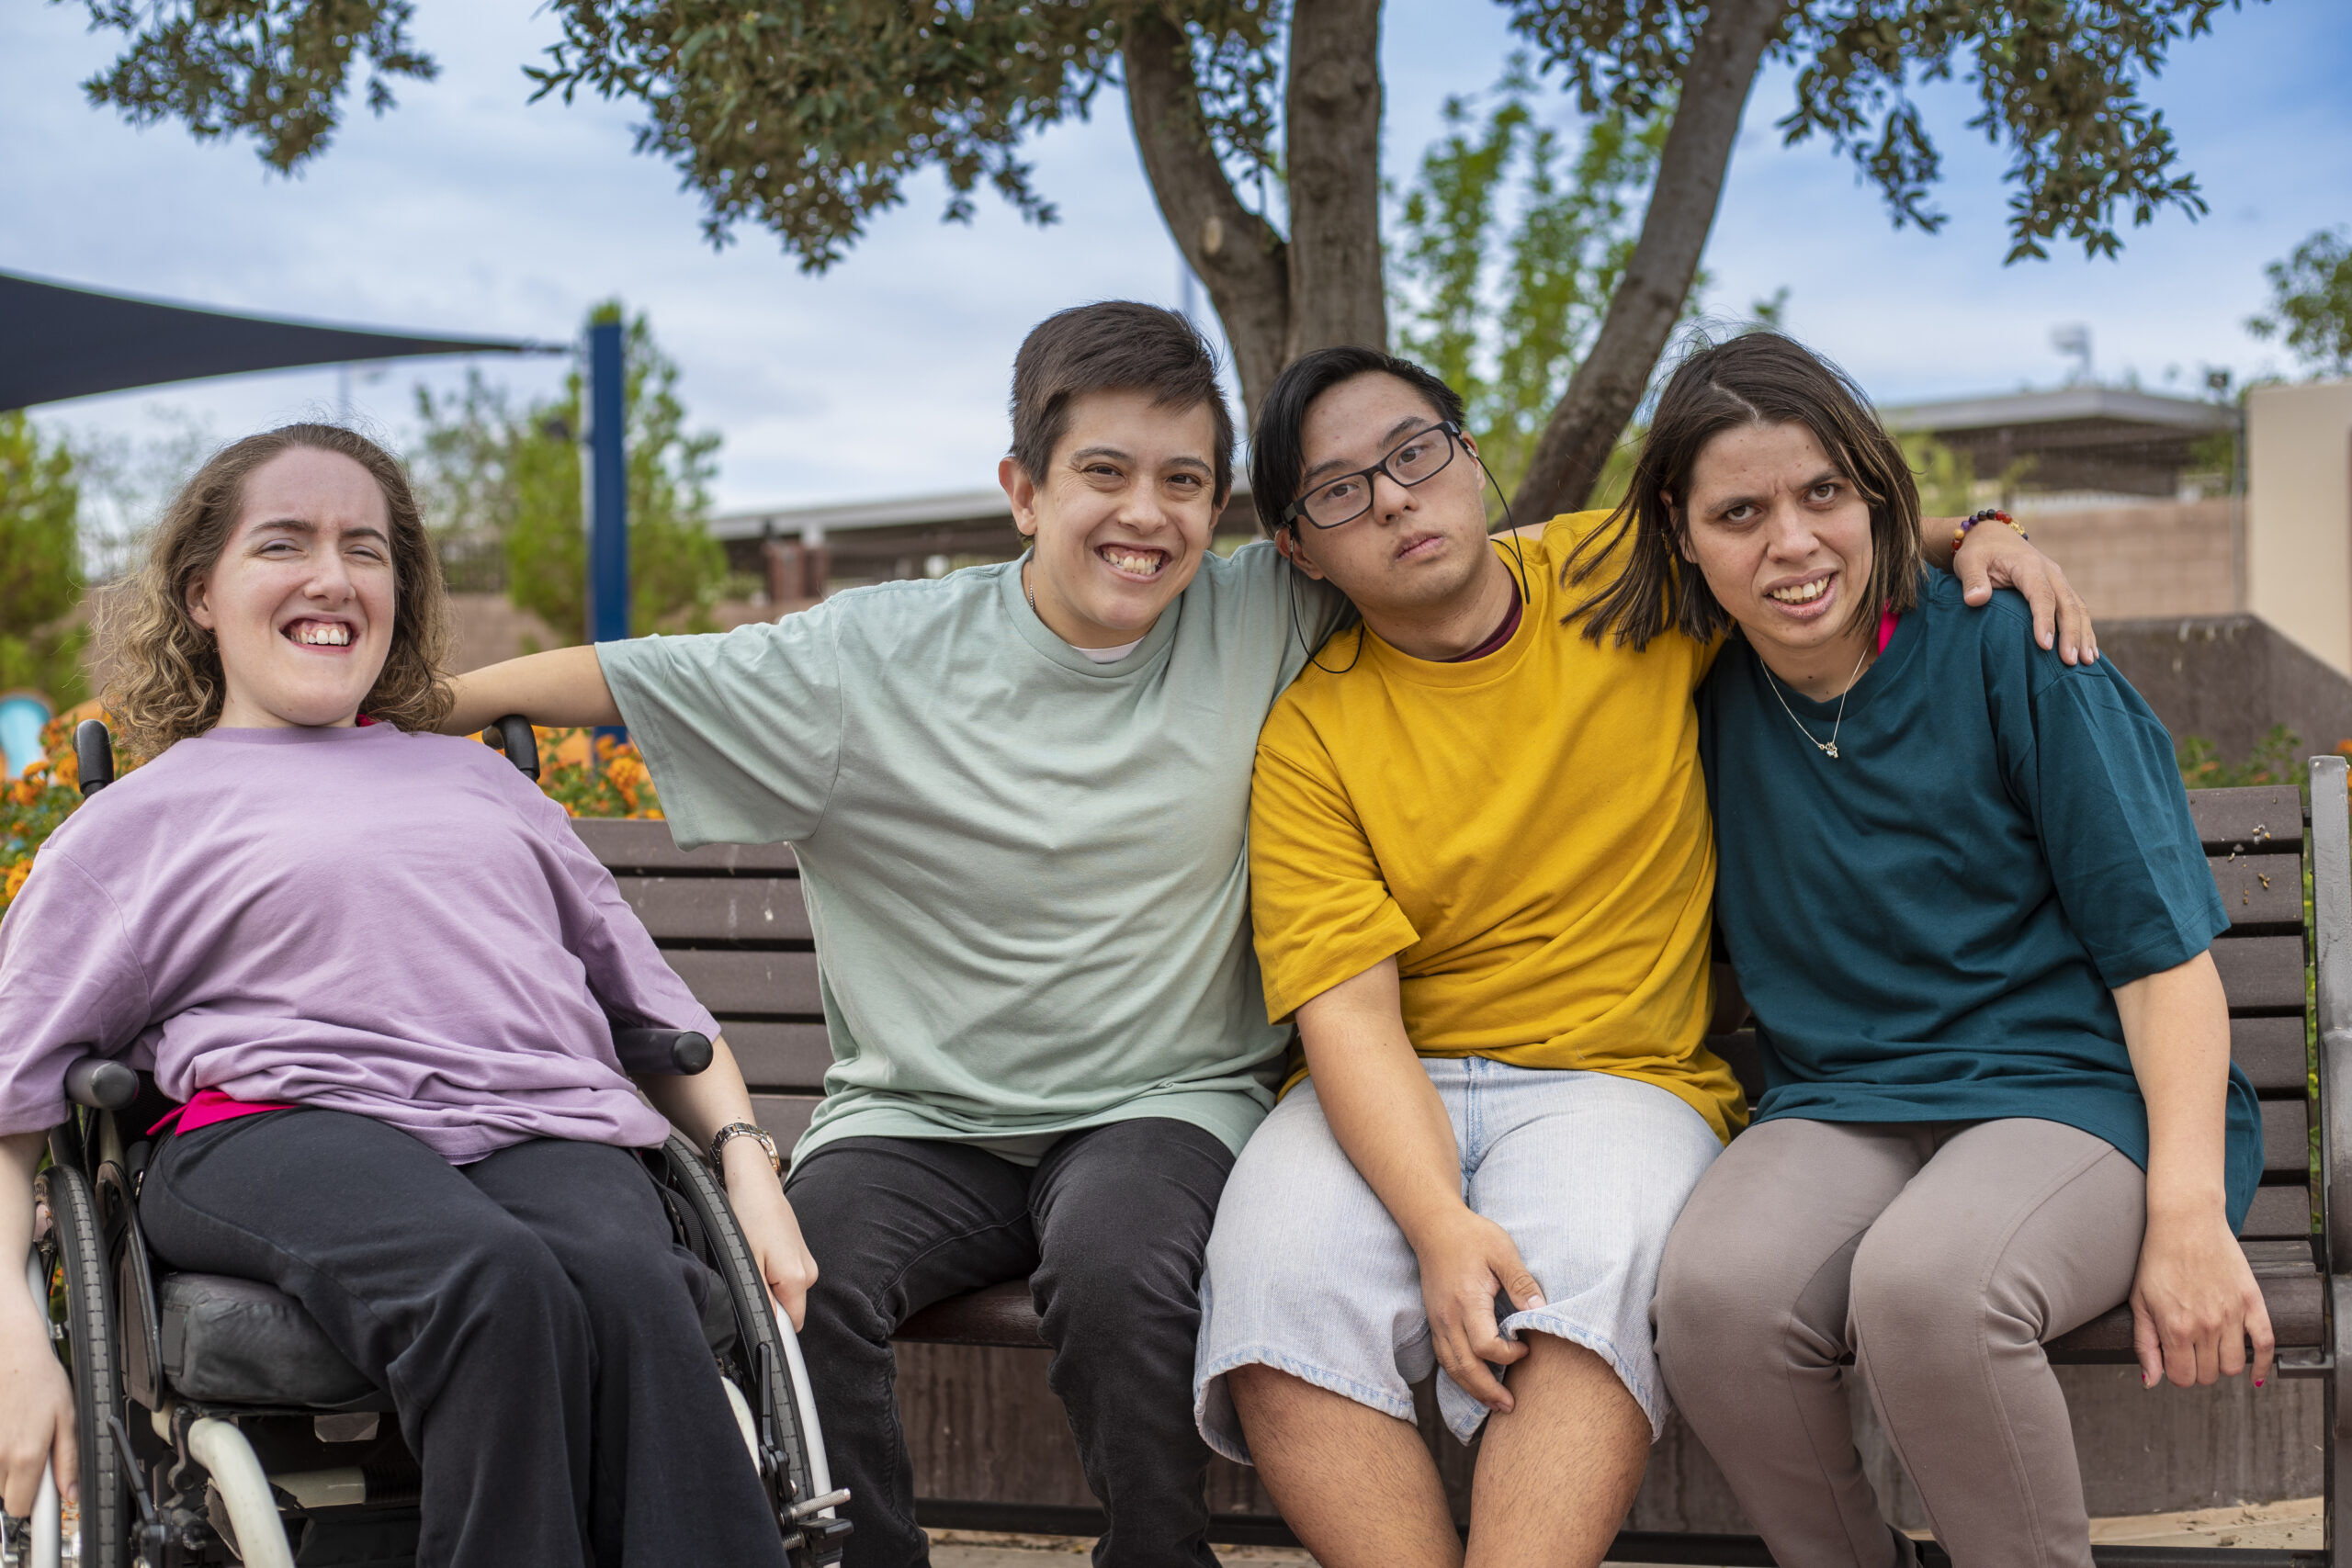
(468, 210)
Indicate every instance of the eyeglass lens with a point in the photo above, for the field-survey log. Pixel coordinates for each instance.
(1349, 497)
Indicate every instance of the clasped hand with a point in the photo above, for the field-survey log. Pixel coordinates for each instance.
(1466, 1261)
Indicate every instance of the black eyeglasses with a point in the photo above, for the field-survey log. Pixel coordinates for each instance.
(1421, 456)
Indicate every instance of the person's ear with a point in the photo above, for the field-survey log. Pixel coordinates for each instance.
(198, 610)
(1293, 546)
(1022, 492)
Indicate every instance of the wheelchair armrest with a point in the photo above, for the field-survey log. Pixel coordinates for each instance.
(679, 1051)
(101, 1084)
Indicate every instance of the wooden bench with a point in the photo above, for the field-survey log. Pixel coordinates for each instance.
(732, 921)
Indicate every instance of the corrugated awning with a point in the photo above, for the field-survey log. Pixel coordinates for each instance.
(59, 341)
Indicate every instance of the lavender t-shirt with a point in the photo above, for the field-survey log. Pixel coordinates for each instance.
(360, 920)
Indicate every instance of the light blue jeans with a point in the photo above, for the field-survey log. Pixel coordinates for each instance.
(1306, 1272)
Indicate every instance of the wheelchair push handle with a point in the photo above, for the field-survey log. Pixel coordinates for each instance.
(101, 1084)
(679, 1051)
(513, 736)
(94, 752)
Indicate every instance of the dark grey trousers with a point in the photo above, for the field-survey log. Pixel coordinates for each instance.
(1110, 1227)
(535, 1325)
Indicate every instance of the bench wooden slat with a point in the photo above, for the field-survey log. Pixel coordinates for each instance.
(2250, 900)
(994, 1314)
(783, 1117)
(2279, 1212)
(2261, 974)
(736, 982)
(626, 845)
(2270, 1052)
(2291, 1289)
(788, 1056)
(2286, 1136)
(2262, 819)
(718, 908)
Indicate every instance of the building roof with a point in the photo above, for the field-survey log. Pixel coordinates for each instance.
(2110, 440)
(2067, 403)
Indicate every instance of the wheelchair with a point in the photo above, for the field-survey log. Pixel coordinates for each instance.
(218, 1424)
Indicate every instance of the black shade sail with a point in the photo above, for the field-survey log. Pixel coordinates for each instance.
(58, 342)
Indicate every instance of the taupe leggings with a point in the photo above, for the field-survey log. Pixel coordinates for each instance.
(1940, 1255)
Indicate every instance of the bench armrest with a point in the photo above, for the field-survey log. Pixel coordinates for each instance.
(678, 1051)
(2331, 852)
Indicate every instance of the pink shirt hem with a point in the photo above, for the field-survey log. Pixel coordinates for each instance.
(209, 1106)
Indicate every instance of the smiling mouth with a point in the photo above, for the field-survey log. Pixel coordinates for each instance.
(1799, 593)
(318, 634)
(1134, 560)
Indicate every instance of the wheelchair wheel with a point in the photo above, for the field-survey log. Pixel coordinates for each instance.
(783, 1402)
(73, 1257)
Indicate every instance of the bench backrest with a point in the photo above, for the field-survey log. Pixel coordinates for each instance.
(732, 921)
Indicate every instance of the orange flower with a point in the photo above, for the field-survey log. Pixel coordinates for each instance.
(16, 880)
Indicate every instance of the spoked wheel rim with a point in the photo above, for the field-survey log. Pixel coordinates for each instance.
(74, 1257)
(754, 1310)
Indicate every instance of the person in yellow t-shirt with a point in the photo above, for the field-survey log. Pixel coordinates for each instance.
(1482, 876)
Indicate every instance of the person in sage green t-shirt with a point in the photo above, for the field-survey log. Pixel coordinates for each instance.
(1019, 796)
(1960, 886)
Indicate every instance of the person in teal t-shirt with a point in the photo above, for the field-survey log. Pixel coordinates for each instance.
(1960, 890)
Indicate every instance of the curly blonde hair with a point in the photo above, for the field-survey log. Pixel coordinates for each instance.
(163, 680)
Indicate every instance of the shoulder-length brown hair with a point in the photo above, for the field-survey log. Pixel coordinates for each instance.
(163, 680)
(1759, 377)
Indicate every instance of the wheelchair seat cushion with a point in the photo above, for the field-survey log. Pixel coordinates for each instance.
(241, 1342)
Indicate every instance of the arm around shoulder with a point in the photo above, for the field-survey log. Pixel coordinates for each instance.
(562, 688)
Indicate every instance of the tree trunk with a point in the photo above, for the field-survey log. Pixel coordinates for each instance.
(1608, 387)
(1331, 140)
(1236, 253)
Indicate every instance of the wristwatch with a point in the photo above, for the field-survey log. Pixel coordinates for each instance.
(745, 1130)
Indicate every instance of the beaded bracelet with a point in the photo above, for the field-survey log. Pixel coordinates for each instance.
(1990, 515)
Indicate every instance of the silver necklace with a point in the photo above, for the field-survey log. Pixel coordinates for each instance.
(1826, 748)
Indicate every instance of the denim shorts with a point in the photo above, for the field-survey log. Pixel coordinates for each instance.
(1306, 1273)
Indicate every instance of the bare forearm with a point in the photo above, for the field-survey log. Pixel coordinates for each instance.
(1379, 1102)
(20, 1154)
(562, 688)
(699, 1106)
(2176, 1026)
(1935, 539)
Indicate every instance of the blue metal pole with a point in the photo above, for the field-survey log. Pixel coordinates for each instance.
(607, 490)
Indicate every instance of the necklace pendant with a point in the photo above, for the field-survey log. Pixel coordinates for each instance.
(1830, 747)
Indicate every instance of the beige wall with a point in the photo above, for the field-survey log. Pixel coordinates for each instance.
(2299, 514)
(2162, 559)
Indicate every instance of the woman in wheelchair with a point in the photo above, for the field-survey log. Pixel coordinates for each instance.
(378, 966)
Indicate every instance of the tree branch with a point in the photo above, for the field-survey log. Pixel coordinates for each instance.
(1236, 253)
(1332, 138)
(1608, 387)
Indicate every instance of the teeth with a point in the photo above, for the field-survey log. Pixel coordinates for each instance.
(1128, 560)
(318, 635)
(1803, 593)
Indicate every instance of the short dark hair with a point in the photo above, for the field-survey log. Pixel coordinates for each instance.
(1759, 377)
(1113, 346)
(1277, 457)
